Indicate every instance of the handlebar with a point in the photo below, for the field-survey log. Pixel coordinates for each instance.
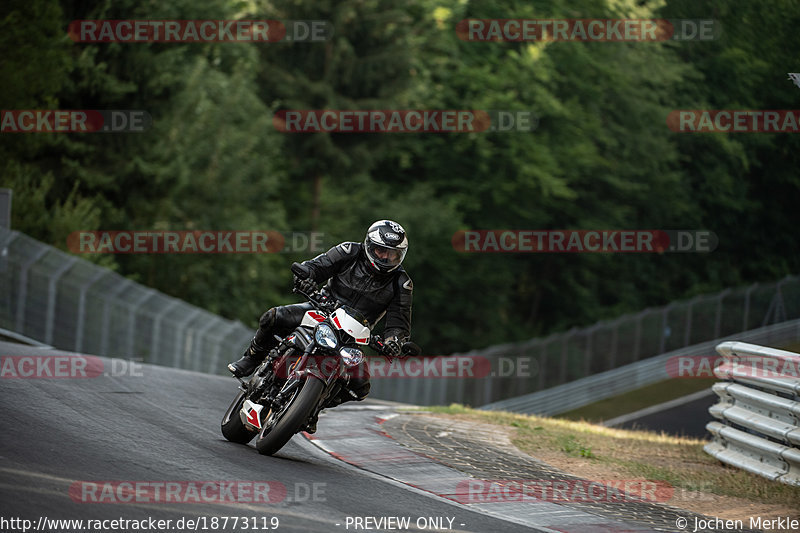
(408, 348)
(376, 343)
(299, 270)
(319, 299)
(328, 304)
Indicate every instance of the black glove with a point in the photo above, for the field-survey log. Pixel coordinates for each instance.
(392, 348)
(301, 271)
(306, 286)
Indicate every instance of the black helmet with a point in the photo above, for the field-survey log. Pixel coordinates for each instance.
(386, 245)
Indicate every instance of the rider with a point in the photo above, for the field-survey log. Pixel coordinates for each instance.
(367, 277)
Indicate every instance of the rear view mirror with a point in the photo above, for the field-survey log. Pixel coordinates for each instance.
(410, 348)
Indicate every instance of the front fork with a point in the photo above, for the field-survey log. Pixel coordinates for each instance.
(261, 385)
(300, 370)
(308, 366)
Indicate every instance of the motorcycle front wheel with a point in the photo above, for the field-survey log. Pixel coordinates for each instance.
(274, 436)
(232, 427)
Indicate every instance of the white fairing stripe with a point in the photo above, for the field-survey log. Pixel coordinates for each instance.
(352, 326)
(309, 320)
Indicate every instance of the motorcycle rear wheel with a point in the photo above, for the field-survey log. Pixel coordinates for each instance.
(272, 439)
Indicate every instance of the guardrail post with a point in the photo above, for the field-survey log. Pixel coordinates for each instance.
(132, 319)
(50, 317)
(688, 332)
(98, 275)
(9, 238)
(104, 333)
(197, 345)
(154, 352)
(718, 318)
(22, 297)
(179, 331)
(776, 305)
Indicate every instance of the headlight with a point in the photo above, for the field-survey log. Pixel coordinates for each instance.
(325, 336)
(351, 356)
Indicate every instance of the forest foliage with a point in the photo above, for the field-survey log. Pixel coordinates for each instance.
(601, 156)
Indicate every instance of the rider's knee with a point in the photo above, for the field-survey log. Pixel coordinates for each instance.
(267, 320)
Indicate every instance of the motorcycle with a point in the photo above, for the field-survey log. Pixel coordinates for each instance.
(302, 374)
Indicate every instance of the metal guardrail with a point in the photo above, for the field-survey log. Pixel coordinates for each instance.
(598, 387)
(758, 411)
(6, 335)
(72, 304)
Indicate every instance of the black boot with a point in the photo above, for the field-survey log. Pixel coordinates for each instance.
(311, 425)
(252, 357)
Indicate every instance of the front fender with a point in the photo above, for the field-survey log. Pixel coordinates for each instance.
(313, 372)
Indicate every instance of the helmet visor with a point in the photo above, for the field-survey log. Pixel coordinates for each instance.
(384, 257)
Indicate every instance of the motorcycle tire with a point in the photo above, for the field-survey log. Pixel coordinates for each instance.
(232, 427)
(295, 414)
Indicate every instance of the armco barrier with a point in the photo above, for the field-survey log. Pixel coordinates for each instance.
(758, 411)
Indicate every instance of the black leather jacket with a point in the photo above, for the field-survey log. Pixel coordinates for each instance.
(354, 282)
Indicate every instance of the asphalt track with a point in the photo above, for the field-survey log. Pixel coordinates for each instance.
(147, 424)
(687, 419)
